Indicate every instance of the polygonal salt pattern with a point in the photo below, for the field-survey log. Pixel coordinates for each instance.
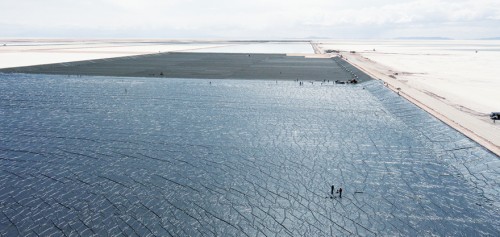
(168, 157)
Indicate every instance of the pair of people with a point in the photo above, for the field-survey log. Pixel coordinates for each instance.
(339, 191)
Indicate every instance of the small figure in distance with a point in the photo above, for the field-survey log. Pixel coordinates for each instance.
(331, 192)
(340, 192)
(495, 116)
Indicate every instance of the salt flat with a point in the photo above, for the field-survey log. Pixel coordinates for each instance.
(27, 53)
(18, 53)
(184, 157)
(450, 68)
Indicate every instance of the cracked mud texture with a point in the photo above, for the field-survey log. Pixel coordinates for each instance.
(174, 157)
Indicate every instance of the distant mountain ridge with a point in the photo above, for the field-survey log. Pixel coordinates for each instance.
(491, 38)
(423, 38)
(440, 38)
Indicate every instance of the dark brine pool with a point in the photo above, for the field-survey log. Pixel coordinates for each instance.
(178, 157)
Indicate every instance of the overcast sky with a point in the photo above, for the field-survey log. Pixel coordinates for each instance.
(258, 19)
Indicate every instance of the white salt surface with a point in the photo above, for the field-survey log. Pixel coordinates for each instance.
(450, 69)
(16, 54)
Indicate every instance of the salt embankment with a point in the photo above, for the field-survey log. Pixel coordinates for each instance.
(458, 88)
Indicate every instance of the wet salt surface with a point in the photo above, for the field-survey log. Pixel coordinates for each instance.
(272, 48)
(168, 157)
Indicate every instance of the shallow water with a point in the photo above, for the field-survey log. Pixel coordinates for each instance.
(281, 48)
(142, 156)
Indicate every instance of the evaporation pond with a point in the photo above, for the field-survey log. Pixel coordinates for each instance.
(181, 157)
